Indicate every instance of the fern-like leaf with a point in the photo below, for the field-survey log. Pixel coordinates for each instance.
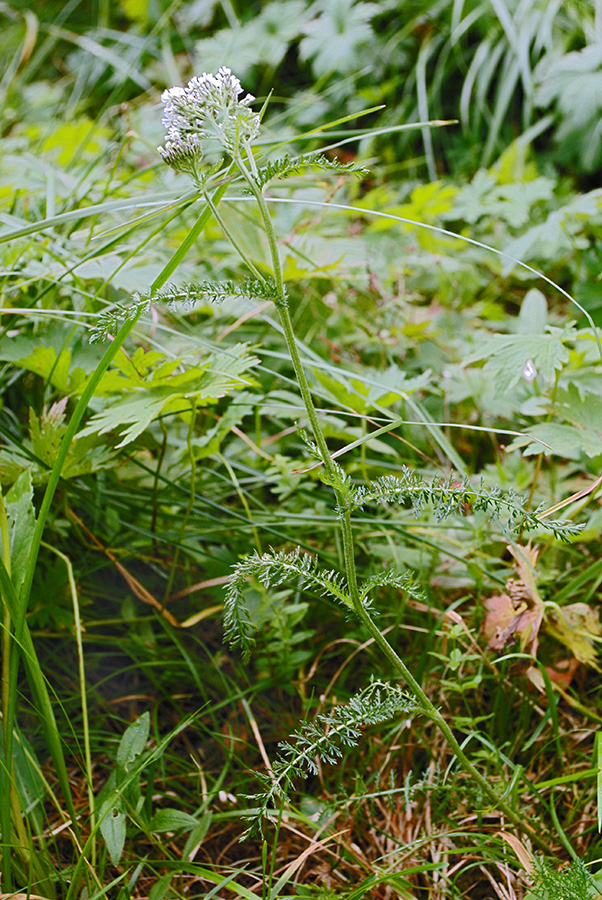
(189, 295)
(574, 883)
(273, 569)
(325, 739)
(111, 320)
(391, 577)
(310, 444)
(451, 497)
(282, 168)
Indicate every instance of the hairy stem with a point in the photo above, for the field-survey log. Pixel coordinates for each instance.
(395, 661)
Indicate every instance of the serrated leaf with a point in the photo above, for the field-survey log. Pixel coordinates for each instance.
(46, 432)
(560, 235)
(574, 82)
(585, 413)
(485, 196)
(133, 741)
(45, 362)
(507, 355)
(263, 40)
(210, 442)
(334, 39)
(428, 203)
(381, 387)
(581, 431)
(163, 391)
(470, 203)
(563, 440)
(113, 828)
(172, 820)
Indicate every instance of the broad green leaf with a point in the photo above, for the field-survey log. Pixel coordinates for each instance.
(514, 165)
(113, 828)
(45, 362)
(428, 203)
(161, 887)
(334, 40)
(263, 40)
(210, 442)
(486, 197)
(583, 434)
(470, 203)
(585, 413)
(560, 235)
(173, 820)
(133, 741)
(533, 313)
(197, 836)
(162, 391)
(564, 440)
(377, 387)
(507, 355)
(46, 432)
(22, 522)
(574, 82)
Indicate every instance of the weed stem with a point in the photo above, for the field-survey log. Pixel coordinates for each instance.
(395, 661)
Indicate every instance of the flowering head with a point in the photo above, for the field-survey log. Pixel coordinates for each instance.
(208, 107)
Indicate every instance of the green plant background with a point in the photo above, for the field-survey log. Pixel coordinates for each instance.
(137, 472)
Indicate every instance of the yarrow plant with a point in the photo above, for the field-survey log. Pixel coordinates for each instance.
(210, 108)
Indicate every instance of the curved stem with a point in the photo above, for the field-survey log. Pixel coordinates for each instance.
(395, 661)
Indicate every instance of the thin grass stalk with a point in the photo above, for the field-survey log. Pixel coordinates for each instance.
(6, 777)
(8, 785)
(241, 496)
(189, 505)
(22, 636)
(82, 691)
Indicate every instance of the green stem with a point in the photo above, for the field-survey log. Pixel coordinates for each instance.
(396, 663)
(6, 779)
(18, 603)
(82, 691)
(241, 495)
(189, 505)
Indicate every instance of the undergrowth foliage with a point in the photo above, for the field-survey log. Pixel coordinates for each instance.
(325, 739)
(138, 481)
(301, 570)
(210, 108)
(573, 883)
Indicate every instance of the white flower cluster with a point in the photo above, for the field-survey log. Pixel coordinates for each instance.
(208, 107)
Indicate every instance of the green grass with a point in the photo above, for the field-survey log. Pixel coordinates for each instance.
(138, 736)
